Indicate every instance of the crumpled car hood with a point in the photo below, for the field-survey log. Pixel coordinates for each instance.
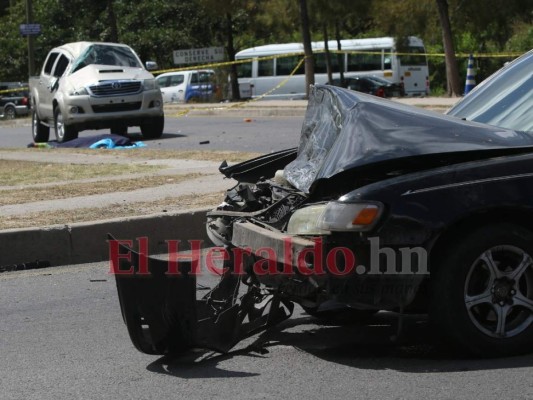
(344, 130)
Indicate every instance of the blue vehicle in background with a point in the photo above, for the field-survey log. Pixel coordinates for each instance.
(188, 86)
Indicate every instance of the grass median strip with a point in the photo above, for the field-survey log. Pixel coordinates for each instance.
(150, 154)
(17, 172)
(119, 210)
(63, 191)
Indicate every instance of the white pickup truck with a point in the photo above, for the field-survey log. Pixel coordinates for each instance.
(92, 85)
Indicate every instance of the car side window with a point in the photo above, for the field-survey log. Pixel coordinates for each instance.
(176, 80)
(194, 79)
(162, 81)
(50, 63)
(61, 66)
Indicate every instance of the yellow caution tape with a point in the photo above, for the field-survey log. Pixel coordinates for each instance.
(242, 103)
(14, 90)
(247, 60)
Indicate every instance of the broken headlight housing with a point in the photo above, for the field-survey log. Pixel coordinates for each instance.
(342, 216)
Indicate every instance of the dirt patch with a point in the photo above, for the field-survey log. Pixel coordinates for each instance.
(118, 210)
(68, 190)
(18, 172)
(152, 154)
(70, 173)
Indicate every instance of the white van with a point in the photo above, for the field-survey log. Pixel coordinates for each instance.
(188, 86)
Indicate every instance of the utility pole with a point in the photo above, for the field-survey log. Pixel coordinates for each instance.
(29, 20)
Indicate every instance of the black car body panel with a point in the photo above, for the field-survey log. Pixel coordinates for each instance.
(381, 207)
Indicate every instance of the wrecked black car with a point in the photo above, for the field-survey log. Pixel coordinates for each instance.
(381, 207)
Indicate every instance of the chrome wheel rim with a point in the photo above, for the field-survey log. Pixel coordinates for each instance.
(34, 122)
(498, 292)
(10, 113)
(60, 126)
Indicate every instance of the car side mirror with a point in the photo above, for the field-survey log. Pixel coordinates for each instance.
(151, 65)
(54, 84)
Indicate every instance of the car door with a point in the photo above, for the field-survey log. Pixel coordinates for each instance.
(44, 98)
(49, 83)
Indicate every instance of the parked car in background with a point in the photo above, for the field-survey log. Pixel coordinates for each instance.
(369, 84)
(391, 89)
(383, 206)
(14, 100)
(188, 86)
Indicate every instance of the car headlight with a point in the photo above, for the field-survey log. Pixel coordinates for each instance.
(150, 84)
(341, 216)
(305, 221)
(79, 92)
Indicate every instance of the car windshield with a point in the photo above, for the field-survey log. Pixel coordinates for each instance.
(505, 99)
(106, 55)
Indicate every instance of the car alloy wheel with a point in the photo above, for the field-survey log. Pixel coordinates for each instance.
(499, 291)
(10, 113)
(481, 290)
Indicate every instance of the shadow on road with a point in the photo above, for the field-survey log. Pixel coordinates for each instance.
(373, 345)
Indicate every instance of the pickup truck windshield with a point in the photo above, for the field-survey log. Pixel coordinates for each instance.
(106, 55)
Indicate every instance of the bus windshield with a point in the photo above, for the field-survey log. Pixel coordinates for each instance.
(415, 56)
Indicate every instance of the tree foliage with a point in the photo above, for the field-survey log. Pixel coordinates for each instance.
(157, 27)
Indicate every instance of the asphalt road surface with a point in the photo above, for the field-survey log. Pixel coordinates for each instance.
(262, 134)
(62, 337)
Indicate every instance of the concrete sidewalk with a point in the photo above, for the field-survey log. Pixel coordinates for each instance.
(268, 108)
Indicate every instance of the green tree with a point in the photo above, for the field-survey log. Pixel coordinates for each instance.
(452, 73)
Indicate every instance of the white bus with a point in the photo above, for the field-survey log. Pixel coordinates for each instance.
(271, 64)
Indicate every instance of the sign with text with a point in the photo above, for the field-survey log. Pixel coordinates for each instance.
(198, 56)
(30, 29)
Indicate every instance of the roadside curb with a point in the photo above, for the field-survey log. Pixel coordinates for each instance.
(87, 242)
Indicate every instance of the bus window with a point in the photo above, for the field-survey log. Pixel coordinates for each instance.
(414, 57)
(364, 61)
(387, 60)
(265, 68)
(285, 65)
(244, 70)
(320, 63)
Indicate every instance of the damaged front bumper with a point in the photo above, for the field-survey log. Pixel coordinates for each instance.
(163, 315)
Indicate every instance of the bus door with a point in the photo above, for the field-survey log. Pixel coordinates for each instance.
(414, 72)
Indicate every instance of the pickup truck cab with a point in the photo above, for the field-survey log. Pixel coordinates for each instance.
(94, 85)
(14, 100)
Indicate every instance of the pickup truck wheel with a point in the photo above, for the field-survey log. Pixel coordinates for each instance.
(153, 128)
(482, 292)
(39, 132)
(10, 113)
(64, 133)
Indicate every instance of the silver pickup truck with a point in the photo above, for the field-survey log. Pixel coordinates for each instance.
(91, 85)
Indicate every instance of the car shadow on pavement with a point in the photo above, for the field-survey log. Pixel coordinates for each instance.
(137, 136)
(373, 345)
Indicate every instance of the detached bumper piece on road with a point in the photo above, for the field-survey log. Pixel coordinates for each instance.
(163, 316)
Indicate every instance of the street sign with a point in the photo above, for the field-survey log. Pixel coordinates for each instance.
(198, 56)
(30, 29)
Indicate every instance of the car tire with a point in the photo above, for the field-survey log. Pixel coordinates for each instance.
(64, 133)
(10, 112)
(481, 297)
(153, 128)
(39, 132)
